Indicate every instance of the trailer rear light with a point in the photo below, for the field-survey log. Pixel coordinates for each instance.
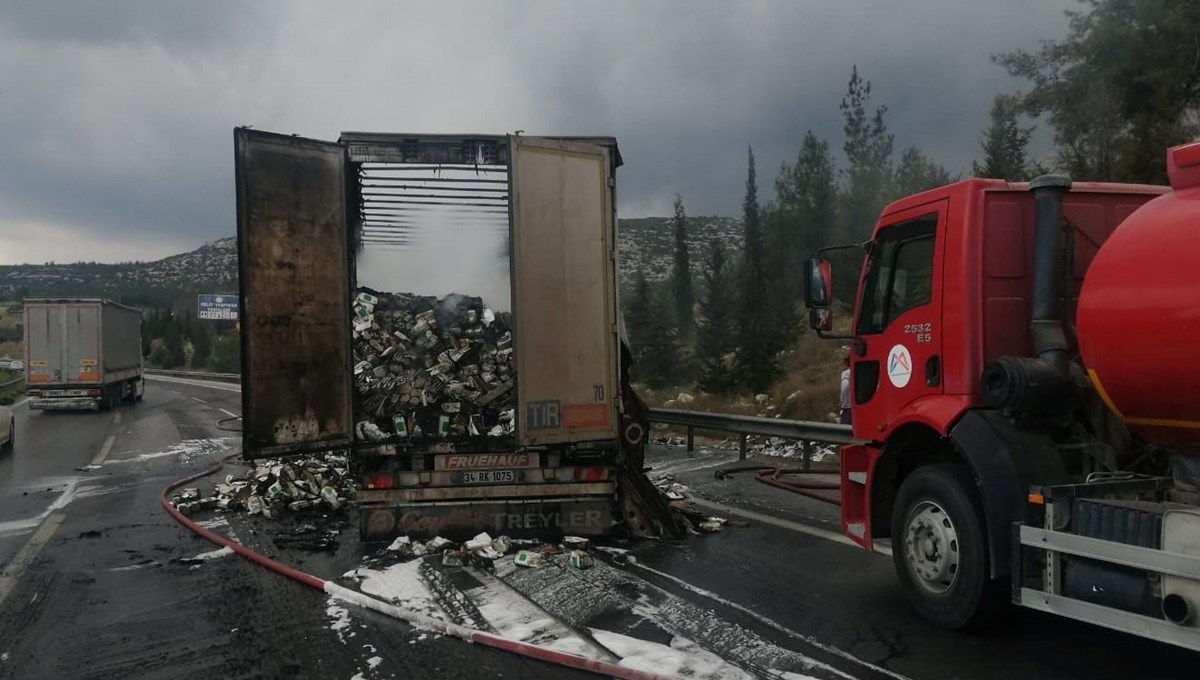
(35, 393)
(93, 393)
(381, 481)
(591, 474)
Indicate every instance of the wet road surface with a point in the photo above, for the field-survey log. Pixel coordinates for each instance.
(92, 585)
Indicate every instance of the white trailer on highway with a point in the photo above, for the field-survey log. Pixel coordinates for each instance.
(82, 353)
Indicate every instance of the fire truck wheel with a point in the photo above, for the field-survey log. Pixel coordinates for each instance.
(939, 547)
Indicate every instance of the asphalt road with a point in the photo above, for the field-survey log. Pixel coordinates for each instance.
(93, 588)
(808, 581)
(92, 585)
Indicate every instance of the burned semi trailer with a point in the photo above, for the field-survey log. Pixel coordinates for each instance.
(445, 309)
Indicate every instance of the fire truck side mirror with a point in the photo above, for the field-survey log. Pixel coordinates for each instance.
(818, 293)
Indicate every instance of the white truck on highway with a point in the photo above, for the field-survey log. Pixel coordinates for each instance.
(82, 353)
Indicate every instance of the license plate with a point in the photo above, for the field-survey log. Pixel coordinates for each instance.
(489, 476)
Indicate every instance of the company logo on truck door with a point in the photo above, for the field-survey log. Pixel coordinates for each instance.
(899, 366)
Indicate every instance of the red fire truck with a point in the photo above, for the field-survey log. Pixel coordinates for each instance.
(1026, 399)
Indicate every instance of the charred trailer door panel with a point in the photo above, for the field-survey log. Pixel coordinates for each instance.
(566, 337)
(293, 259)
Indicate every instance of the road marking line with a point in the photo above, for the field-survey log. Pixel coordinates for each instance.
(104, 449)
(231, 414)
(15, 569)
(20, 402)
(199, 400)
(826, 534)
(228, 387)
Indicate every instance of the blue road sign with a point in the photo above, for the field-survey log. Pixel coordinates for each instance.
(219, 307)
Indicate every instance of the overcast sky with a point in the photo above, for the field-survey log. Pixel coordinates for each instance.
(116, 117)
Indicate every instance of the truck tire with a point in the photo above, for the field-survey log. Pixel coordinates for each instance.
(940, 548)
(11, 444)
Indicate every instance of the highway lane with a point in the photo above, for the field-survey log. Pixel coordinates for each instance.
(94, 587)
(810, 582)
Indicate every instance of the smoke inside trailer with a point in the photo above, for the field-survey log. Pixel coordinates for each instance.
(435, 231)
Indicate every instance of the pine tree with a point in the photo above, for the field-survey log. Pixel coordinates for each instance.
(660, 353)
(756, 361)
(1004, 143)
(637, 312)
(868, 147)
(652, 338)
(916, 172)
(801, 221)
(681, 275)
(714, 332)
(173, 338)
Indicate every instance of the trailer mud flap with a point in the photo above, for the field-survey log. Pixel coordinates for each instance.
(519, 519)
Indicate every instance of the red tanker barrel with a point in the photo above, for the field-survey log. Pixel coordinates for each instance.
(1139, 313)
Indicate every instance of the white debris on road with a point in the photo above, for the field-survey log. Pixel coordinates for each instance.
(374, 661)
(682, 658)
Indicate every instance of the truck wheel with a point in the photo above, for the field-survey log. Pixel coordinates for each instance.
(11, 444)
(939, 547)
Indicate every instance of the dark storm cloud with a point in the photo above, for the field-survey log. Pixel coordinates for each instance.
(115, 118)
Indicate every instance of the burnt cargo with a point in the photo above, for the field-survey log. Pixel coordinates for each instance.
(432, 368)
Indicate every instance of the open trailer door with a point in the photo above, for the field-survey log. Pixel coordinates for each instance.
(564, 291)
(293, 264)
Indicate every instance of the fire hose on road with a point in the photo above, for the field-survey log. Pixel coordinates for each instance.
(413, 618)
(772, 475)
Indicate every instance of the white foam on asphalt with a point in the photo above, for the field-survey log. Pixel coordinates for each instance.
(185, 451)
(515, 617)
(401, 585)
(682, 658)
(211, 555)
(582, 596)
(769, 622)
(340, 617)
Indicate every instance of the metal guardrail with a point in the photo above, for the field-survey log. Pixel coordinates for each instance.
(12, 382)
(805, 431)
(198, 375)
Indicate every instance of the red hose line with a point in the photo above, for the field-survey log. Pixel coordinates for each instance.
(769, 474)
(306, 579)
(515, 646)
